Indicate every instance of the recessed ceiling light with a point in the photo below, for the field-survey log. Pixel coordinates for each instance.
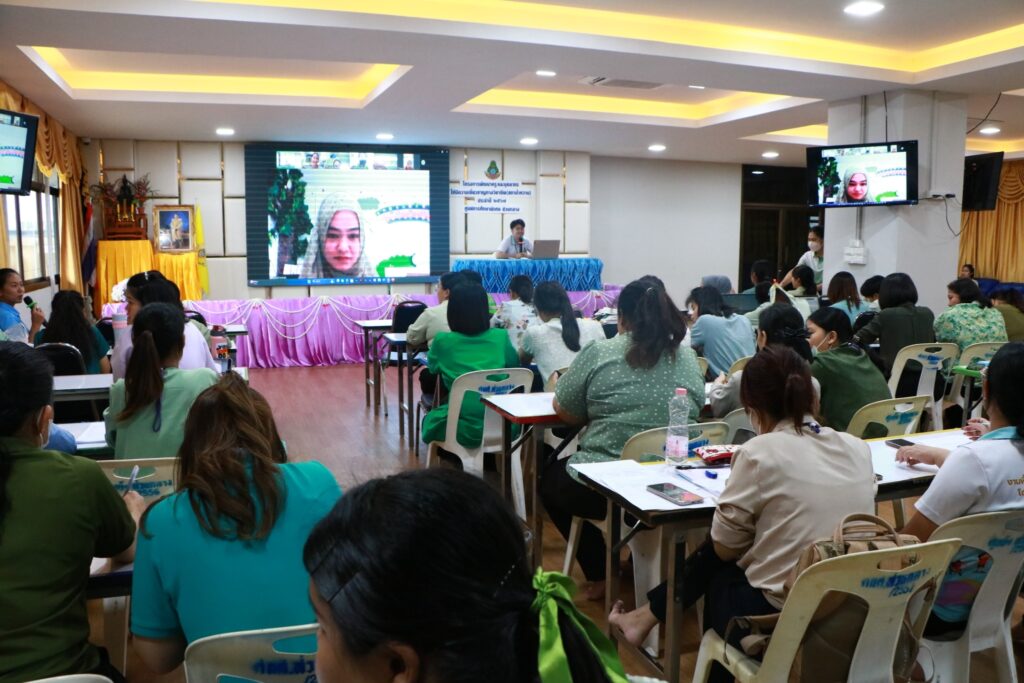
(695, 87)
(385, 136)
(770, 155)
(989, 130)
(657, 148)
(864, 8)
(528, 141)
(545, 73)
(757, 173)
(225, 131)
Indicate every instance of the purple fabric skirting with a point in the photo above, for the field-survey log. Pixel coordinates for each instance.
(322, 330)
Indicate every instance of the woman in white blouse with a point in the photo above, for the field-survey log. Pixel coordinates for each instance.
(517, 314)
(555, 342)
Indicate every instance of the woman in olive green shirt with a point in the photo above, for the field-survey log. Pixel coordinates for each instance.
(849, 380)
(146, 417)
(1010, 302)
(57, 512)
(618, 387)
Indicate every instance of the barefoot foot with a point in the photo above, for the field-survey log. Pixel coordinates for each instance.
(633, 626)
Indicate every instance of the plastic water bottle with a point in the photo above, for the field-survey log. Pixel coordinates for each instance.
(677, 441)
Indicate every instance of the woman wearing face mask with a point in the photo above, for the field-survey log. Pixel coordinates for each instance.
(849, 380)
(338, 246)
(722, 335)
(813, 258)
(779, 325)
(789, 485)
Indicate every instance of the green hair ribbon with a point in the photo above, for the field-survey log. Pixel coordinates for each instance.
(554, 595)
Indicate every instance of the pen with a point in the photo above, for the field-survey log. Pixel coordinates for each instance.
(132, 478)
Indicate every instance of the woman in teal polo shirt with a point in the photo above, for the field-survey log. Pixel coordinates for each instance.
(224, 553)
(146, 417)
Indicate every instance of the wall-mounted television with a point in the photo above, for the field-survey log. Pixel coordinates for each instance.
(981, 181)
(869, 174)
(337, 214)
(17, 151)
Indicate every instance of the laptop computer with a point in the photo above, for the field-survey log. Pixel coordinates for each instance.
(741, 303)
(546, 249)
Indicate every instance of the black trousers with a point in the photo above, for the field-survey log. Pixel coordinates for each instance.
(565, 498)
(726, 592)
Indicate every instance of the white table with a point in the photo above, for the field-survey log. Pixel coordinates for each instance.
(88, 435)
(82, 387)
(624, 485)
(370, 357)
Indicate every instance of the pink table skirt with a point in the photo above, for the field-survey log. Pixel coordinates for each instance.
(322, 330)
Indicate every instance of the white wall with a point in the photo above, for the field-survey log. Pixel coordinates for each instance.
(678, 220)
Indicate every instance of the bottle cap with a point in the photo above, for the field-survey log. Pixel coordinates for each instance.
(681, 391)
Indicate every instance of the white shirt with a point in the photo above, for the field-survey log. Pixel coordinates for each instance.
(510, 248)
(544, 343)
(515, 316)
(195, 355)
(426, 327)
(986, 475)
(815, 263)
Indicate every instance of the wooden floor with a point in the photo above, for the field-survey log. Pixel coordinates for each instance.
(322, 415)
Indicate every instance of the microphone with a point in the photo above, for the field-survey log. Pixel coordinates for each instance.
(31, 304)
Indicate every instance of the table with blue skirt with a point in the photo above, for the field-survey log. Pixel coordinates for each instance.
(574, 274)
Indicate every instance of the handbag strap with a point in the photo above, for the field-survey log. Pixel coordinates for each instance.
(839, 536)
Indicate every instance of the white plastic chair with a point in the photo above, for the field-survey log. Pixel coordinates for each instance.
(1001, 535)
(899, 416)
(932, 357)
(740, 428)
(971, 355)
(74, 678)
(157, 476)
(857, 574)
(253, 655)
(738, 365)
(702, 363)
(498, 381)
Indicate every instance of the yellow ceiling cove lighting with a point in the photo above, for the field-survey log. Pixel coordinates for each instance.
(357, 88)
(989, 145)
(659, 29)
(626, 106)
(818, 131)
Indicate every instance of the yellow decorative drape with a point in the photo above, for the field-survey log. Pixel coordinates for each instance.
(994, 240)
(57, 150)
(118, 260)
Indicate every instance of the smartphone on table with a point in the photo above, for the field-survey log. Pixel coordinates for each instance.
(898, 443)
(675, 494)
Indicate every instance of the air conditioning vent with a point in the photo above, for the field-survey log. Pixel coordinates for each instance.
(605, 82)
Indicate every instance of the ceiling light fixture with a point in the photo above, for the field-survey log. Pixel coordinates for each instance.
(989, 130)
(757, 173)
(225, 131)
(528, 141)
(770, 155)
(695, 87)
(546, 73)
(657, 148)
(864, 8)
(385, 136)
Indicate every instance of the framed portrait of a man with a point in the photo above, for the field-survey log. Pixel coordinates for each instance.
(175, 228)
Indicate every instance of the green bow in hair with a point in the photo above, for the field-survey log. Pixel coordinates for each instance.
(554, 594)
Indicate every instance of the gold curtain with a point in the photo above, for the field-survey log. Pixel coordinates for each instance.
(117, 260)
(57, 150)
(994, 240)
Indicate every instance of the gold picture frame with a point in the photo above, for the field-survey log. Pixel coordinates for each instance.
(174, 228)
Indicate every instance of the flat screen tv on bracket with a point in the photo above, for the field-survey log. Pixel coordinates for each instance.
(869, 174)
(17, 151)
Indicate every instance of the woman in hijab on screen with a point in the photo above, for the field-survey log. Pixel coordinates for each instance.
(855, 187)
(337, 248)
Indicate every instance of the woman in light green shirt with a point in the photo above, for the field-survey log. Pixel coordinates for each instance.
(618, 387)
(146, 417)
(970, 318)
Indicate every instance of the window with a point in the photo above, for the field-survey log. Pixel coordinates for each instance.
(33, 233)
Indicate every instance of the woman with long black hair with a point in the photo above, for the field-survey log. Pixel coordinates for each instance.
(618, 387)
(68, 325)
(554, 343)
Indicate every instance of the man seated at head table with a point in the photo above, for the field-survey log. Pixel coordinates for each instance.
(515, 245)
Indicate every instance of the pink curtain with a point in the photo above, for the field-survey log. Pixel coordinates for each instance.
(322, 330)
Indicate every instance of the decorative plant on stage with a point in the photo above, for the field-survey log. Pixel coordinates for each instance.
(290, 224)
(125, 198)
(828, 176)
